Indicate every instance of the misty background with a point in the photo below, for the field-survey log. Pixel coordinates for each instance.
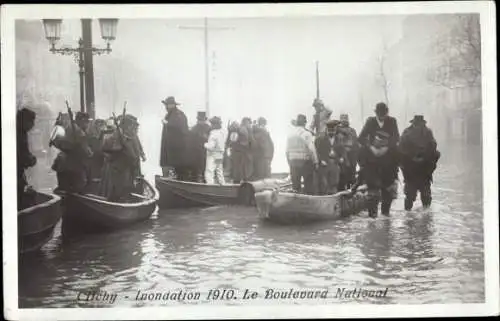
(419, 64)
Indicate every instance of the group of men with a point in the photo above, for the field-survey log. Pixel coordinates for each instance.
(97, 151)
(325, 157)
(207, 151)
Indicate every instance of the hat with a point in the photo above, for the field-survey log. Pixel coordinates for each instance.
(344, 118)
(317, 102)
(418, 119)
(201, 115)
(80, 116)
(262, 121)
(247, 120)
(215, 120)
(170, 101)
(301, 120)
(332, 123)
(381, 108)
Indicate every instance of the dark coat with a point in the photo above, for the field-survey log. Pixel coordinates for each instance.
(241, 155)
(174, 140)
(263, 146)
(323, 148)
(418, 154)
(371, 127)
(75, 151)
(119, 167)
(198, 136)
(378, 172)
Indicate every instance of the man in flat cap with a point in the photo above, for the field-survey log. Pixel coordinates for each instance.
(349, 140)
(174, 139)
(331, 156)
(419, 157)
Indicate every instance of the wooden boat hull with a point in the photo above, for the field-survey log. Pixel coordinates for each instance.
(180, 194)
(36, 223)
(90, 211)
(282, 206)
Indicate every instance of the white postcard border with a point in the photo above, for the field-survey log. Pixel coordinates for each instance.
(9, 13)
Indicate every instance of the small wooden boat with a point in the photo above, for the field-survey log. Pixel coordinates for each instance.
(181, 194)
(92, 211)
(283, 206)
(36, 220)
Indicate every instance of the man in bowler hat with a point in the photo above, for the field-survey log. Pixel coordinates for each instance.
(419, 157)
(174, 139)
(381, 122)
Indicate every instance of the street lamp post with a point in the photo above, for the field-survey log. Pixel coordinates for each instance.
(83, 53)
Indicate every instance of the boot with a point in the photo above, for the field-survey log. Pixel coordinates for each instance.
(426, 202)
(408, 204)
(385, 208)
(372, 208)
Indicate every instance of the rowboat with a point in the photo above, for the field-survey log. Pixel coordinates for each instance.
(36, 220)
(275, 205)
(92, 211)
(181, 194)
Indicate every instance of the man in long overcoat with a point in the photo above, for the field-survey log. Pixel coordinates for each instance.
(381, 122)
(174, 141)
(198, 136)
(241, 152)
(379, 171)
(263, 150)
(419, 156)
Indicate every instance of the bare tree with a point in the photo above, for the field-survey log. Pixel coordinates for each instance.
(458, 54)
(382, 78)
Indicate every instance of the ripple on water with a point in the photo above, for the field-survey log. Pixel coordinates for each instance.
(422, 256)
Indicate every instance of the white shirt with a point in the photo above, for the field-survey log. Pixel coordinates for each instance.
(380, 123)
(216, 143)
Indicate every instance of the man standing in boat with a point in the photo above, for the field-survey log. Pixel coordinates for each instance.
(379, 171)
(25, 159)
(174, 140)
(241, 152)
(349, 141)
(331, 156)
(120, 166)
(263, 150)
(381, 122)
(322, 115)
(72, 162)
(301, 156)
(198, 136)
(214, 171)
(419, 157)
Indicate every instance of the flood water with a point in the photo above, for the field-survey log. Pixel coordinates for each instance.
(431, 256)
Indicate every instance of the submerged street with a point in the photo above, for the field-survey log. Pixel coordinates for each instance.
(432, 256)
